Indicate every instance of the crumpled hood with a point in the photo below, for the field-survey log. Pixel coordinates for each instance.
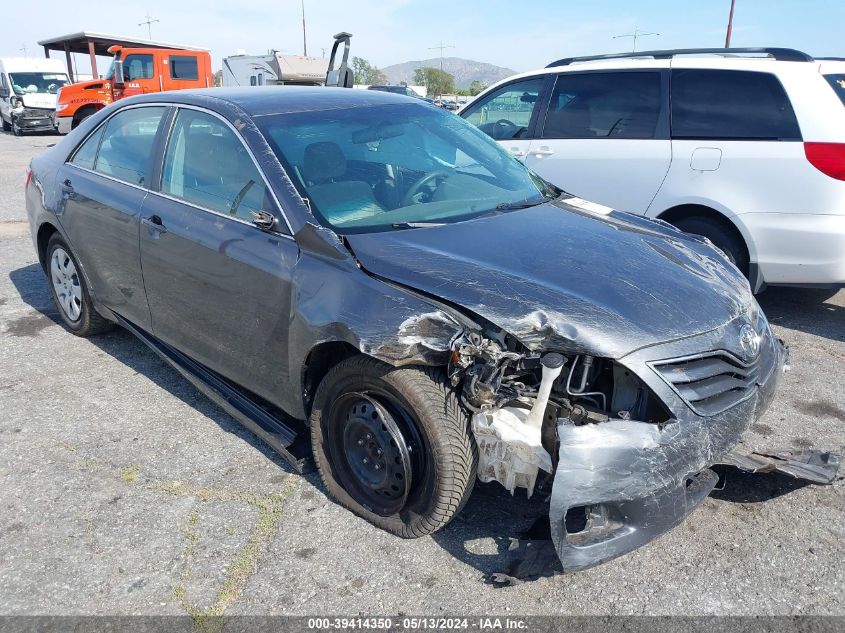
(39, 100)
(559, 277)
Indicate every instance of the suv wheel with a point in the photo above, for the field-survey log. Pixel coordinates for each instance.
(16, 129)
(393, 445)
(722, 237)
(67, 285)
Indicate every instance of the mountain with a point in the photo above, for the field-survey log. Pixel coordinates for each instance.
(465, 71)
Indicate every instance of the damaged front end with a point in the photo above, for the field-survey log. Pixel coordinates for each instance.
(628, 441)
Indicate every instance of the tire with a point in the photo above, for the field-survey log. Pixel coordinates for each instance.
(16, 129)
(722, 237)
(79, 117)
(70, 294)
(443, 455)
(7, 127)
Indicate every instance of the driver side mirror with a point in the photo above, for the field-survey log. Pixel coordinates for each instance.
(118, 79)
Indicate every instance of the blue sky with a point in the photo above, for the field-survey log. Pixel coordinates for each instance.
(518, 34)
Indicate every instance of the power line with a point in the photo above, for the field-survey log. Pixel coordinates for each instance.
(441, 47)
(149, 22)
(635, 35)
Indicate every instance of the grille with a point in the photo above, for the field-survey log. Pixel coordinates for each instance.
(712, 383)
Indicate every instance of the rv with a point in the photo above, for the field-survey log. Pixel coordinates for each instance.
(274, 69)
(28, 88)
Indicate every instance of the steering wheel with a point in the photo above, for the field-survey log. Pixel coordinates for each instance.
(408, 198)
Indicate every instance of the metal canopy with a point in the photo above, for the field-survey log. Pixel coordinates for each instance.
(98, 44)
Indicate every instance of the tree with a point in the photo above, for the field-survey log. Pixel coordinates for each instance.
(366, 73)
(436, 81)
(476, 86)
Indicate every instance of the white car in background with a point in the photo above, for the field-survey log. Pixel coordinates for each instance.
(743, 146)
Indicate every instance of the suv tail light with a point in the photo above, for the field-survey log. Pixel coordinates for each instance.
(828, 158)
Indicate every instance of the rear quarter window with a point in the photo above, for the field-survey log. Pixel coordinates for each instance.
(837, 82)
(731, 105)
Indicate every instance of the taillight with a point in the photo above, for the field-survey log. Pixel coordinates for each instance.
(28, 177)
(828, 158)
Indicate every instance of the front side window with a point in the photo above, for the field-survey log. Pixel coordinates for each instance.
(604, 105)
(138, 66)
(206, 164)
(506, 113)
(29, 83)
(394, 166)
(732, 105)
(127, 144)
(184, 67)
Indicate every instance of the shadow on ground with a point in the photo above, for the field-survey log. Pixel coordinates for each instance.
(806, 310)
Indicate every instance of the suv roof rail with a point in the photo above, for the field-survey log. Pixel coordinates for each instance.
(780, 54)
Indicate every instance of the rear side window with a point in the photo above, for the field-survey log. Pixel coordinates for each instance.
(183, 67)
(206, 164)
(506, 113)
(837, 82)
(138, 67)
(86, 154)
(731, 104)
(127, 144)
(604, 105)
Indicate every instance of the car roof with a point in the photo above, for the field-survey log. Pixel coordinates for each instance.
(265, 100)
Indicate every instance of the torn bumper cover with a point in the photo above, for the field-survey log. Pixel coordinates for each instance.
(622, 483)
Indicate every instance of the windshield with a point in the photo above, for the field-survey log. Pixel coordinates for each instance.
(837, 82)
(28, 83)
(397, 166)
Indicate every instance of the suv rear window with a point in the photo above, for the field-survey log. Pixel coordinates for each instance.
(837, 82)
(731, 104)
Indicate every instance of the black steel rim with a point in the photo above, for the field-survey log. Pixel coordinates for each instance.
(375, 449)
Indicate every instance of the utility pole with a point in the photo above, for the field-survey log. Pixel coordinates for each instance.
(441, 47)
(304, 45)
(636, 34)
(149, 22)
(730, 25)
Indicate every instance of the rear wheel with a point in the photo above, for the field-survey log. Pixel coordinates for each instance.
(393, 445)
(723, 237)
(70, 294)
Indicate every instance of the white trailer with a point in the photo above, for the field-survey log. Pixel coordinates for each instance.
(274, 69)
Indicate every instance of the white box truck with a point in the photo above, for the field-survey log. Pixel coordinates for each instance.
(28, 88)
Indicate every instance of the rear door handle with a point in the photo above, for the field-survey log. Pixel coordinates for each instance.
(154, 224)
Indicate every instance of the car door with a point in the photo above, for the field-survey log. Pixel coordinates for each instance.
(142, 74)
(218, 286)
(103, 187)
(605, 136)
(509, 113)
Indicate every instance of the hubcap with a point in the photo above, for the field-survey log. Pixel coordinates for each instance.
(374, 457)
(66, 284)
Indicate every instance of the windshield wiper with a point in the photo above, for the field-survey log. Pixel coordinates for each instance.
(523, 204)
(416, 225)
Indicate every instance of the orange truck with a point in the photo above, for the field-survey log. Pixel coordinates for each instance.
(133, 71)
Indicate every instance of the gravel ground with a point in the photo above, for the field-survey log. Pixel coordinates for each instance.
(125, 491)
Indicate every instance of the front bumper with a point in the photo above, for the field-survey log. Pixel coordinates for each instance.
(63, 124)
(35, 120)
(624, 482)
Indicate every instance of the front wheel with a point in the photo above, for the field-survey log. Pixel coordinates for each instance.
(7, 127)
(16, 129)
(393, 445)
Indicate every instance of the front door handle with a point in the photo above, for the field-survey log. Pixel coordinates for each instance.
(154, 223)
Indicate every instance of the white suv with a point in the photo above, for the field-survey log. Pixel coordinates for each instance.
(743, 146)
